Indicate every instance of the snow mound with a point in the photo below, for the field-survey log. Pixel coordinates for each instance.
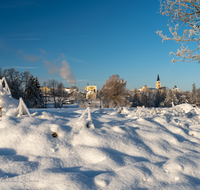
(185, 107)
(146, 149)
(9, 104)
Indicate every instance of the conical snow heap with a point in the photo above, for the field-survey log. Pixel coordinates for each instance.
(8, 105)
(87, 122)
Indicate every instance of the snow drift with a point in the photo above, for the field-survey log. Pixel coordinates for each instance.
(139, 149)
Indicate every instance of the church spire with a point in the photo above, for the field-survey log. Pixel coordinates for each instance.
(158, 78)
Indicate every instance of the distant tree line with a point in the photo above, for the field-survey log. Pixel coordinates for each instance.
(23, 84)
(112, 94)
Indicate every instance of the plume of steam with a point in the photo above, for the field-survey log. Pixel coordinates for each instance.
(65, 72)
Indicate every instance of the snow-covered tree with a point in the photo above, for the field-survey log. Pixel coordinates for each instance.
(14, 80)
(60, 95)
(158, 98)
(188, 96)
(171, 97)
(194, 94)
(52, 84)
(25, 77)
(114, 91)
(136, 99)
(184, 26)
(198, 96)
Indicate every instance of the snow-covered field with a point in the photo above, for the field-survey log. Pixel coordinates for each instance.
(138, 149)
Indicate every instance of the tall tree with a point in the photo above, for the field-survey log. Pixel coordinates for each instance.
(14, 80)
(60, 95)
(38, 93)
(33, 96)
(53, 85)
(194, 94)
(30, 93)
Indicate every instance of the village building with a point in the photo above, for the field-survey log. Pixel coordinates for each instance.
(45, 90)
(91, 92)
(148, 88)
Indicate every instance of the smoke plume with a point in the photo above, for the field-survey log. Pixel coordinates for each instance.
(64, 71)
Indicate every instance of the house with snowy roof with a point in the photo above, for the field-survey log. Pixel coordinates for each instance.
(91, 92)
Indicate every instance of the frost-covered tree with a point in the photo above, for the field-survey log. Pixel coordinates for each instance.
(158, 98)
(184, 26)
(188, 96)
(60, 95)
(25, 77)
(14, 80)
(114, 90)
(198, 96)
(52, 84)
(171, 97)
(194, 94)
(136, 99)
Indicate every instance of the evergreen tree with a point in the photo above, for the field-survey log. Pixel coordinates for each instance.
(29, 93)
(38, 93)
(33, 95)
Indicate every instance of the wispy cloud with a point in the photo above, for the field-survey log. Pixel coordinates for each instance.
(61, 54)
(22, 39)
(76, 60)
(31, 58)
(2, 46)
(43, 51)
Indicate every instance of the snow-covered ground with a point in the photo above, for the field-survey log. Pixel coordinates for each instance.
(138, 149)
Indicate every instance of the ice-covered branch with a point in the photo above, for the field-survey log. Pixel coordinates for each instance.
(184, 26)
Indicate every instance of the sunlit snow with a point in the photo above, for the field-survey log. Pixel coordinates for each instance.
(140, 148)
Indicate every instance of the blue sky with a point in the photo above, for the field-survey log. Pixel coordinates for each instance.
(95, 39)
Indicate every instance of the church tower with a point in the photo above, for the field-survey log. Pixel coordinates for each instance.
(158, 83)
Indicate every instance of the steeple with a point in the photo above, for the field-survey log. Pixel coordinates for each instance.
(158, 83)
(158, 78)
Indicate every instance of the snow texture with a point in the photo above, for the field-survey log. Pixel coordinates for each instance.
(140, 148)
